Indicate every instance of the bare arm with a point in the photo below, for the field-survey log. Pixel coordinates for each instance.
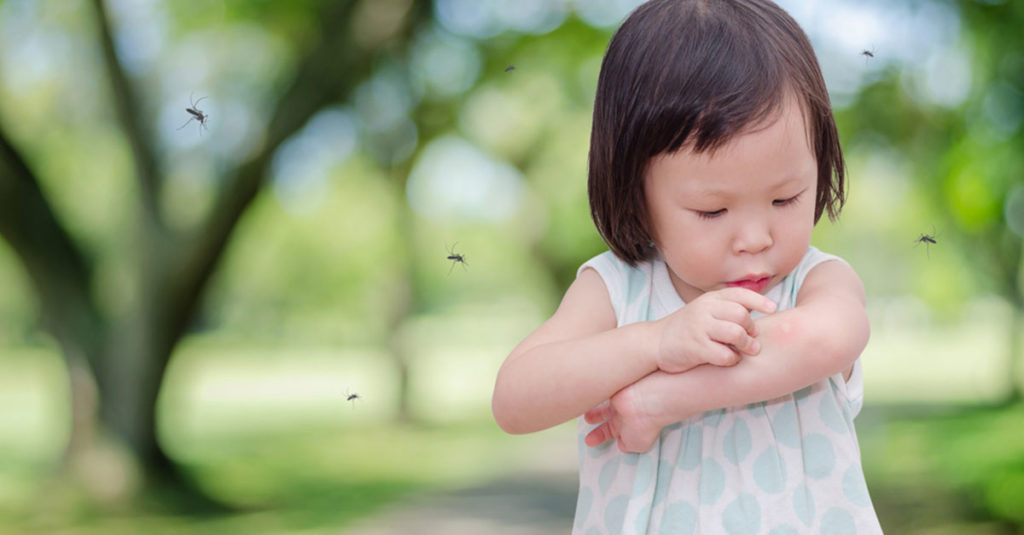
(575, 360)
(823, 335)
(579, 357)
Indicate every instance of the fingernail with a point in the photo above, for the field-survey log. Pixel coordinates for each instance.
(755, 347)
(770, 305)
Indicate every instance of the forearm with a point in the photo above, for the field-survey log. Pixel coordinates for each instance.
(551, 383)
(797, 351)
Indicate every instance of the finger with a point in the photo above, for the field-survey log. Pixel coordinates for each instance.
(733, 335)
(633, 446)
(721, 354)
(750, 299)
(600, 435)
(598, 414)
(736, 313)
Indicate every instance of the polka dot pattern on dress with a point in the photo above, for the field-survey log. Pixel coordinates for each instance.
(692, 451)
(838, 522)
(737, 442)
(615, 513)
(679, 518)
(770, 471)
(832, 415)
(786, 466)
(742, 516)
(712, 481)
(819, 456)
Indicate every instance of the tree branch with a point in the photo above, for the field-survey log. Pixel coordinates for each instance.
(329, 72)
(60, 273)
(129, 113)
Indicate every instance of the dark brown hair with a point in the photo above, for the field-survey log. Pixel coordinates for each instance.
(696, 73)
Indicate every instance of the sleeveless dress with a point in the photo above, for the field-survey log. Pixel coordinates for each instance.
(786, 466)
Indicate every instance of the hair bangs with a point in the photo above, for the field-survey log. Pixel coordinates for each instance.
(694, 74)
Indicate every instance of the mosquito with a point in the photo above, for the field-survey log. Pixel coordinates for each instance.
(352, 397)
(196, 114)
(456, 258)
(868, 53)
(510, 68)
(927, 240)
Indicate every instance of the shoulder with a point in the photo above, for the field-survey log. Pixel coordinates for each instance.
(588, 293)
(586, 308)
(605, 289)
(608, 266)
(813, 258)
(833, 298)
(600, 281)
(625, 284)
(824, 274)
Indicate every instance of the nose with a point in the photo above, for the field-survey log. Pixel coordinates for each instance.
(752, 237)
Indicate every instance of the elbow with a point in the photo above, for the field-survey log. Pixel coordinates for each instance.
(843, 344)
(826, 344)
(500, 413)
(503, 410)
(504, 416)
(521, 403)
(502, 419)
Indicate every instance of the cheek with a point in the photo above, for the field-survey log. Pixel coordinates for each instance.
(797, 234)
(800, 226)
(667, 226)
(695, 257)
(801, 219)
(684, 238)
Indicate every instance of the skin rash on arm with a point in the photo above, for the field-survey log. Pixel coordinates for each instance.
(823, 335)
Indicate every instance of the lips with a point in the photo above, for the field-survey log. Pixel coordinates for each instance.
(756, 283)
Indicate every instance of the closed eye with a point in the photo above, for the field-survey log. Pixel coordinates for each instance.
(712, 214)
(788, 201)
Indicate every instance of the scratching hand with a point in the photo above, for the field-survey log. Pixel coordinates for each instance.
(716, 328)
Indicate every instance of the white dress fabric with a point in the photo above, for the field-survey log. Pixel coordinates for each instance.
(787, 466)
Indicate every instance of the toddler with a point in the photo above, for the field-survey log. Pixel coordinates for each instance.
(712, 354)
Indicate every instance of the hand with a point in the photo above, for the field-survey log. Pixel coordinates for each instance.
(715, 328)
(625, 418)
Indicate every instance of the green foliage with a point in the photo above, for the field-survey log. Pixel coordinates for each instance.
(963, 160)
(330, 251)
(970, 461)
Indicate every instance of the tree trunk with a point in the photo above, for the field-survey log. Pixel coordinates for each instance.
(84, 406)
(398, 350)
(127, 357)
(407, 293)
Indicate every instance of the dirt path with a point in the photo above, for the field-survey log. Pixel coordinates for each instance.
(535, 503)
(537, 497)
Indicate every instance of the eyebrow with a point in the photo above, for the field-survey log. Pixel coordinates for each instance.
(712, 193)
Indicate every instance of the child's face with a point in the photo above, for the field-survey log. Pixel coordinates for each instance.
(741, 216)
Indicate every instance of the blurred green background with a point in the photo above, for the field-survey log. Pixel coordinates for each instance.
(185, 311)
